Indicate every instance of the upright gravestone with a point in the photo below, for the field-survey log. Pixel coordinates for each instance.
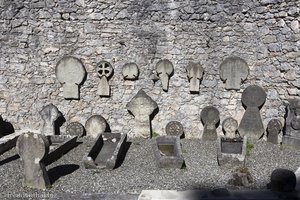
(174, 128)
(194, 73)
(230, 126)
(70, 72)
(75, 128)
(49, 115)
(251, 124)
(164, 69)
(95, 126)
(104, 71)
(130, 71)
(273, 129)
(142, 106)
(233, 70)
(32, 149)
(210, 118)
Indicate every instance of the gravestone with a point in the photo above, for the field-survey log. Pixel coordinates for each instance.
(210, 118)
(130, 71)
(174, 128)
(49, 115)
(142, 106)
(95, 126)
(70, 72)
(194, 73)
(274, 127)
(104, 71)
(251, 124)
(282, 180)
(164, 69)
(75, 128)
(32, 149)
(230, 126)
(233, 70)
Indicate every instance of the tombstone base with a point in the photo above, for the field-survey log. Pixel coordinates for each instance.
(291, 141)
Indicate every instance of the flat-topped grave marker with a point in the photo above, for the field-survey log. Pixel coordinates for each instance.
(274, 128)
(95, 126)
(104, 71)
(164, 70)
(210, 118)
(49, 115)
(195, 74)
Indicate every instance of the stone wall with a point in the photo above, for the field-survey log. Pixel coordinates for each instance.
(36, 34)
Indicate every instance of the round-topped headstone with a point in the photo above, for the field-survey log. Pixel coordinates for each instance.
(130, 71)
(274, 127)
(174, 128)
(254, 96)
(282, 180)
(210, 115)
(230, 125)
(75, 128)
(104, 68)
(95, 126)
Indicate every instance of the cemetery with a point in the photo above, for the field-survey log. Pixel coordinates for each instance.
(149, 99)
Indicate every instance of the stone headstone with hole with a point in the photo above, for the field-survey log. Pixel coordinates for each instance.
(273, 130)
(75, 128)
(251, 124)
(174, 128)
(104, 71)
(95, 126)
(130, 71)
(210, 118)
(194, 73)
(164, 70)
(33, 148)
(230, 126)
(49, 115)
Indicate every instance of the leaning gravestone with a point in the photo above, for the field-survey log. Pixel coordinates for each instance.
(75, 128)
(142, 106)
(130, 71)
(233, 70)
(164, 69)
(174, 128)
(32, 149)
(70, 72)
(49, 115)
(194, 73)
(210, 118)
(104, 71)
(95, 126)
(273, 129)
(251, 124)
(230, 126)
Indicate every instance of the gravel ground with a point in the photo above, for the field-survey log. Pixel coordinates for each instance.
(139, 172)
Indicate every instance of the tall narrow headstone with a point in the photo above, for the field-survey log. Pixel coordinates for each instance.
(210, 118)
(95, 126)
(104, 71)
(164, 69)
(49, 115)
(194, 73)
(273, 130)
(230, 126)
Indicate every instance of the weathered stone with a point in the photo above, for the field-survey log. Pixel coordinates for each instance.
(241, 177)
(233, 70)
(210, 118)
(174, 128)
(70, 72)
(164, 69)
(230, 126)
(49, 115)
(273, 129)
(194, 73)
(75, 128)
(142, 106)
(33, 148)
(251, 124)
(104, 71)
(95, 126)
(130, 71)
(282, 180)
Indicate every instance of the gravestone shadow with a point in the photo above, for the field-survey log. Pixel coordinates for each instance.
(156, 110)
(123, 154)
(6, 128)
(9, 159)
(62, 170)
(58, 123)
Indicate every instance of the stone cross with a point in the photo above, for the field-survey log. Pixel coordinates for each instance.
(142, 106)
(95, 126)
(33, 148)
(104, 71)
(251, 124)
(230, 126)
(164, 69)
(174, 128)
(49, 115)
(75, 128)
(70, 72)
(194, 73)
(130, 71)
(233, 70)
(210, 118)
(273, 129)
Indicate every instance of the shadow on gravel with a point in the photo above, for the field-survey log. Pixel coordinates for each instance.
(123, 154)
(62, 170)
(6, 128)
(9, 159)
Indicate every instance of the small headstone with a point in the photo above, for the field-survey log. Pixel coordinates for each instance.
(75, 128)
(241, 177)
(49, 115)
(104, 71)
(233, 70)
(33, 148)
(251, 124)
(142, 106)
(273, 129)
(70, 72)
(164, 69)
(282, 180)
(210, 118)
(230, 126)
(95, 126)
(194, 73)
(130, 71)
(174, 128)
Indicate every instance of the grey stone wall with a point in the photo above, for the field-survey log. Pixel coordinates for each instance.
(36, 34)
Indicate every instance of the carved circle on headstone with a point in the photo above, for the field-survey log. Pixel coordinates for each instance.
(230, 126)
(174, 128)
(104, 68)
(210, 115)
(254, 96)
(95, 126)
(130, 71)
(75, 128)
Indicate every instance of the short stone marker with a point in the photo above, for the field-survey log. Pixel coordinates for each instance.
(251, 124)
(75, 128)
(49, 115)
(32, 149)
(273, 129)
(164, 69)
(210, 118)
(70, 72)
(104, 71)
(130, 71)
(95, 126)
(233, 70)
(174, 128)
(282, 180)
(195, 74)
(230, 126)
(142, 106)
(241, 177)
